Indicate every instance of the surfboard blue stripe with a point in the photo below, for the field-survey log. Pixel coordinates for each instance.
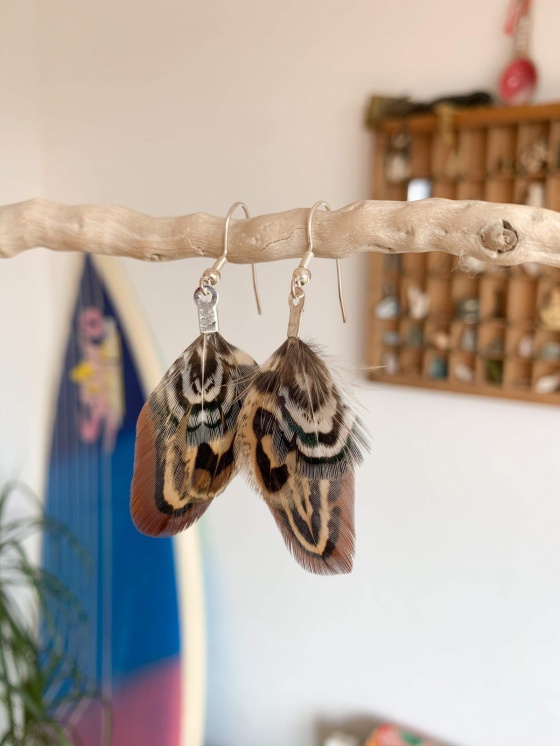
(127, 586)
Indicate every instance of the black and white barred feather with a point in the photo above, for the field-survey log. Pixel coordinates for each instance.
(185, 436)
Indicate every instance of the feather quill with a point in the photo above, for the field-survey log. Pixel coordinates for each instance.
(299, 441)
(185, 436)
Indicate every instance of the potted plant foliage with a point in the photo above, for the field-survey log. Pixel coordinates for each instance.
(39, 685)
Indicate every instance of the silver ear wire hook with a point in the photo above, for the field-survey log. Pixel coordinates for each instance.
(212, 276)
(310, 254)
(339, 286)
(302, 275)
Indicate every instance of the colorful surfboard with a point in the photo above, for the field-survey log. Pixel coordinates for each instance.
(132, 643)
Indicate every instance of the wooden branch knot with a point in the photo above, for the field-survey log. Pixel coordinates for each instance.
(499, 237)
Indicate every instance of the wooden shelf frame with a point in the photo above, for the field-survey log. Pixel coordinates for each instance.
(478, 154)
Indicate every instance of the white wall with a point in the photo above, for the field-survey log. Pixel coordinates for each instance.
(21, 174)
(450, 620)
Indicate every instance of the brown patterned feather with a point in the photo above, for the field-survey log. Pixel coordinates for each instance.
(185, 436)
(299, 441)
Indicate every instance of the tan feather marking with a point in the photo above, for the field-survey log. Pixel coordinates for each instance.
(301, 488)
(332, 551)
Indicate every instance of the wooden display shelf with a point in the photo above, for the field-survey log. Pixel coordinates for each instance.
(480, 116)
(477, 317)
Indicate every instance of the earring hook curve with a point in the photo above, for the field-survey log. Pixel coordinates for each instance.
(213, 275)
(302, 278)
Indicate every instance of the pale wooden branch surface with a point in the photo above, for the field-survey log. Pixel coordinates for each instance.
(503, 234)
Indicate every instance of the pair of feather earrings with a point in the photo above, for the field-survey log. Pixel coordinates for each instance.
(286, 424)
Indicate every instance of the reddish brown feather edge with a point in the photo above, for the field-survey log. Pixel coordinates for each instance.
(146, 516)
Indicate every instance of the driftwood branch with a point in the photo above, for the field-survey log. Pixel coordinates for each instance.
(503, 234)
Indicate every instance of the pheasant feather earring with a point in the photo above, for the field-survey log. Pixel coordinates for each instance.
(300, 440)
(186, 430)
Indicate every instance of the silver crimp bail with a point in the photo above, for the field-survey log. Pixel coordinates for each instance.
(296, 311)
(206, 299)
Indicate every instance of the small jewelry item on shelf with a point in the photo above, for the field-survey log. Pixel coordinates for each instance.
(534, 159)
(519, 80)
(535, 195)
(388, 307)
(390, 361)
(418, 302)
(467, 310)
(418, 189)
(415, 336)
(470, 264)
(549, 310)
(533, 269)
(441, 340)
(467, 342)
(503, 167)
(437, 368)
(391, 338)
(464, 373)
(550, 351)
(397, 160)
(494, 371)
(547, 384)
(526, 346)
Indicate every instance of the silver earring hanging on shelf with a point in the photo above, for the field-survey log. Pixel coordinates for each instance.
(186, 430)
(299, 441)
